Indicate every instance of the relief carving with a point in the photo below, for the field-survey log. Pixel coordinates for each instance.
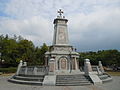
(62, 49)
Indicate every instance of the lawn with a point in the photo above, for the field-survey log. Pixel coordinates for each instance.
(114, 73)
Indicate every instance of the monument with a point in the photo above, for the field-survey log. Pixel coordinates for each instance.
(61, 64)
(63, 55)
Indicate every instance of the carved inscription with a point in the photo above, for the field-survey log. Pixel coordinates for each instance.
(62, 49)
(63, 63)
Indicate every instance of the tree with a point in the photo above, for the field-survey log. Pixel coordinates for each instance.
(26, 50)
(108, 57)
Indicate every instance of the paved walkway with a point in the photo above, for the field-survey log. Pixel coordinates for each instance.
(5, 85)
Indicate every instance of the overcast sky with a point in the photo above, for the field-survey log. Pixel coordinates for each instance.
(93, 24)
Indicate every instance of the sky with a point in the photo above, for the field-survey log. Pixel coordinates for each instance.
(92, 24)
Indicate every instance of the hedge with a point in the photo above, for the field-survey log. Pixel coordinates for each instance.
(8, 70)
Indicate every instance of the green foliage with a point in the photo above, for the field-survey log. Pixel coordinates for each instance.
(8, 70)
(108, 57)
(17, 48)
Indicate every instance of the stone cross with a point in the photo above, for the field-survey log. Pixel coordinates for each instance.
(60, 12)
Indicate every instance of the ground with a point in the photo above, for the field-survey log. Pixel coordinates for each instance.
(5, 85)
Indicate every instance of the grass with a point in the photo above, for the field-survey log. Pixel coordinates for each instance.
(114, 73)
(8, 70)
(7, 74)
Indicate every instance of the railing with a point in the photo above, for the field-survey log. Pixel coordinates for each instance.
(33, 70)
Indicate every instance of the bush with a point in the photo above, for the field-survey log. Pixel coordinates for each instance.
(8, 70)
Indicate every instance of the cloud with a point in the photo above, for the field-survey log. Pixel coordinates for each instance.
(97, 30)
(35, 28)
(93, 24)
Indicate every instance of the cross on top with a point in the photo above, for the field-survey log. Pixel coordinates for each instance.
(60, 12)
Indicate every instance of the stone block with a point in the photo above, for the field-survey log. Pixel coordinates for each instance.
(95, 79)
(49, 80)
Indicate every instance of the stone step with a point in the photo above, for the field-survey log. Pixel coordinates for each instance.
(72, 79)
(40, 77)
(28, 78)
(31, 75)
(25, 82)
(107, 80)
(71, 75)
(103, 77)
(68, 76)
(72, 84)
(66, 80)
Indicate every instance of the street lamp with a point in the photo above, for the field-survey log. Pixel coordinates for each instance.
(0, 54)
(1, 61)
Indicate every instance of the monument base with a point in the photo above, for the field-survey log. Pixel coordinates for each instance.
(49, 80)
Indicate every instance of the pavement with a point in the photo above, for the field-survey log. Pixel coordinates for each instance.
(113, 85)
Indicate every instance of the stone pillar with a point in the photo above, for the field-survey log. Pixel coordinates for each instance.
(46, 61)
(19, 67)
(52, 65)
(69, 65)
(35, 71)
(98, 70)
(72, 63)
(24, 63)
(101, 67)
(76, 64)
(87, 67)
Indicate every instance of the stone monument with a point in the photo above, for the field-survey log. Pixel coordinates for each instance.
(61, 64)
(65, 57)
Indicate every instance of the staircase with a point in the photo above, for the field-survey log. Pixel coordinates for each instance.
(27, 79)
(105, 77)
(72, 80)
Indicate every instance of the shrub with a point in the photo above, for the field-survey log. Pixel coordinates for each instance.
(8, 70)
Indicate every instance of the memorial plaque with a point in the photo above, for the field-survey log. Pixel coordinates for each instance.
(63, 63)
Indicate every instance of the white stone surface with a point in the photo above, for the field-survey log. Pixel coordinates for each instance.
(95, 79)
(87, 66)
(52, 65)
(49, 80)
(19, 66)
(60, 31)
(101, 67)
(24, 63)
(5, 85)
(61, 51)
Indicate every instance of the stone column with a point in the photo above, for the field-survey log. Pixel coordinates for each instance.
(101, 67)
(35, 71)
(52, 65)
(19, 67)
(87, 67)
(76, 64)
(72, 63)
(70, 60)
(98, 70)
(24, 63)
(46, 60)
